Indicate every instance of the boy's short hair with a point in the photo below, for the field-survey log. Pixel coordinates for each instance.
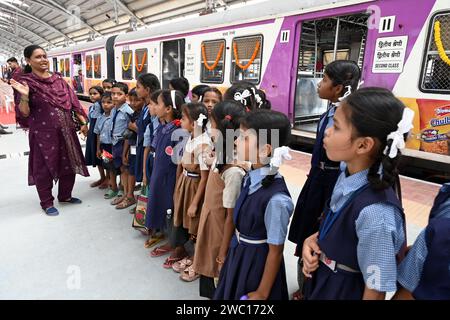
(122, 86)
(107, 95)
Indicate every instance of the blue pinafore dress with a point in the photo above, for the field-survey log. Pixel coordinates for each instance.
(142, 122)
(338, 241)
(91, 142)
(316, 192)
(244, 265)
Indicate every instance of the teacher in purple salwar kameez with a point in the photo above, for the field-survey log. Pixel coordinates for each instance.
(55, 152)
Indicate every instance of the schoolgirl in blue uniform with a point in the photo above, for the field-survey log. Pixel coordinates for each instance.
(338, 76)
(424, 274)
(362, 235)
(95, 111)
(167, 155)
(254, 267)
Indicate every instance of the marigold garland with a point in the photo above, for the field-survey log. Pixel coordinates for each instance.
(139, 68)
(126, 67)
(88, 63)
(216, 62)
(438, 42)
(236, 58)
(67, 63)
(97, 63)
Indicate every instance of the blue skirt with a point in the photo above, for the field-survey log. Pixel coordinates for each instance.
(243, 270)
(117, 152)
(328, 285)
(139, 164)
(91, 146)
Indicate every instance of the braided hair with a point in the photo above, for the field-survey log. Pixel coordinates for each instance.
(376, 112)
(193, 110)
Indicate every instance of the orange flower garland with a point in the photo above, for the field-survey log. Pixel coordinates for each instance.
(97, 63)
(216, 62)
(139, 68)
(236, 58)
(88, 63)
(67, 63)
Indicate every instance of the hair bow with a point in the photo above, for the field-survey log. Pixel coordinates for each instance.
(279, 155)
(398, 141)
(200, 119)
(242, 96)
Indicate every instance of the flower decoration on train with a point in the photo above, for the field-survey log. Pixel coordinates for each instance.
(218, 57)
(438, 42)
(126, 66)
(252, 59)
(140, 66)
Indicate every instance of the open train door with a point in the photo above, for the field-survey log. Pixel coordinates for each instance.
(172, 60)
(323, 40)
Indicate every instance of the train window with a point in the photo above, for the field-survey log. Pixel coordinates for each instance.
(97, 66)
(55, 64)
(246, 59)
(127, 64)
(141, 61)
(213, 61)
(435, 75)
(89, 66)
(67, 67)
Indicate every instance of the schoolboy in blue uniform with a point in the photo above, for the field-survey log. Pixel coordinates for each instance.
(121, 118)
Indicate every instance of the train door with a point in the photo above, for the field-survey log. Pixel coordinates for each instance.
(55, 64)
(172, 60)
(77, 74)
(321, 42)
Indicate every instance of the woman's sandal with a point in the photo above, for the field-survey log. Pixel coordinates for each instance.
(170, 261)
(159, 252)
(182, 264)
(127, 202)
(189, 274)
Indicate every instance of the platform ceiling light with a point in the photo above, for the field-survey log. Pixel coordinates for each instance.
(15, 2)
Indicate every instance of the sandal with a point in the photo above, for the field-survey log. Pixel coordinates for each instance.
(182, 264)
(110, 194)
(170, 261)
(104, 185)
(189, 275)
(152, 241)
(127, 202)
(159, 252)
(117, 200)
(96, 183)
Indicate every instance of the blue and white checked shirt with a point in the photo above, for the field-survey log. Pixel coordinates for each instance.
(95, 111)
(330, 114)
(279, 208)
(147, 135)
(103, 128)
(410, 270)
(380, 233)
(121, 123)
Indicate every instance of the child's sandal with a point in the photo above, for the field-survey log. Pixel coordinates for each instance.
(189, 274)
(182, 265)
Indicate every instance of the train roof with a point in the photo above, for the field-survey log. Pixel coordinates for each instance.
(99, 43)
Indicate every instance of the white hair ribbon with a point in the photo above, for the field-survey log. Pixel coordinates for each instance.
(241, 96)
(172, 97)
(257, 97)
(346, 94)
(200, 119)
(360, 83)
(279, 155)
(398, 141)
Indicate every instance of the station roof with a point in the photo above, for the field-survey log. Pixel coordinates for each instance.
(54, 23)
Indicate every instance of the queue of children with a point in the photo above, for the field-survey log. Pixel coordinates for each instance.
(220, 211)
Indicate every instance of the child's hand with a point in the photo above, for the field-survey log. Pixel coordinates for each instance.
(255, 295)
(125, 159)
(99, 153)
(192, 211)
(310, 255)
(208, 158)
(133, 126)
(144, 180)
